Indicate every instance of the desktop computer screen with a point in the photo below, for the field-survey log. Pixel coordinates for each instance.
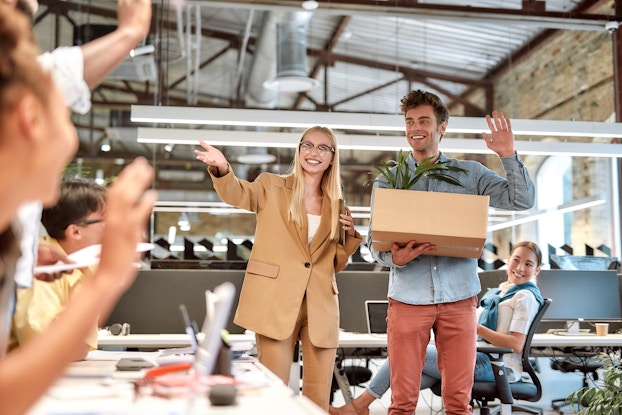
(590, 295)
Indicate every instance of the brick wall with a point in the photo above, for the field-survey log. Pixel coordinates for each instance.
(570, 77)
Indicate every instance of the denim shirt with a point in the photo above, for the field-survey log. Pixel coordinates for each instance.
(432, 279)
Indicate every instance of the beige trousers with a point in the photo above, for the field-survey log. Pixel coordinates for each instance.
(318, 362)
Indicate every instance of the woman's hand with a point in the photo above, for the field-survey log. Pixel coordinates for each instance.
(212, 157)
(347, 222)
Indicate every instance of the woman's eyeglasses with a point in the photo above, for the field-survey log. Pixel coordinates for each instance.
(321, 149)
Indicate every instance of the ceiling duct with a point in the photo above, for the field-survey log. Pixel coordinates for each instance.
(256, 155)
(291, 72)
(263, 66)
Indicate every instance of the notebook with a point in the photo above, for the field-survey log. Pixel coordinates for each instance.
(376, 314)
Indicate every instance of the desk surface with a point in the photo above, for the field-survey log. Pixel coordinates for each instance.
(345, 340)
(181, 340)
(73, 395)
(555, 340)
(158, 340)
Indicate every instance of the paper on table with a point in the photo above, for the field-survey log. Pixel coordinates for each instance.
(91, 369)
(84, 257)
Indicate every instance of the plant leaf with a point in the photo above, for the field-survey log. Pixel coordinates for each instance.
(399, 175)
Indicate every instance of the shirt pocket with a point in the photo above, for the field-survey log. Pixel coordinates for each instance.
(264, 269)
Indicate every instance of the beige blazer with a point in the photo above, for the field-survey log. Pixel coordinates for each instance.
(283, 267)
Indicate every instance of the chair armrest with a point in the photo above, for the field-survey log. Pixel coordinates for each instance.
(498, 369)
(491, 349)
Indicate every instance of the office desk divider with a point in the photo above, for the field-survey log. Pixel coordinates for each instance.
(151, 304)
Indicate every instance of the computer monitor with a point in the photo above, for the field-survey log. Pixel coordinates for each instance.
(356, 287)
(580, 295)
(376, 312)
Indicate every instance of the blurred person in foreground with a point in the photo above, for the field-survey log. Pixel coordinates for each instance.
(37, 140)
(76, 70)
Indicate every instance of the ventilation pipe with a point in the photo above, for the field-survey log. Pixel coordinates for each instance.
(263, 66)
(291, 73)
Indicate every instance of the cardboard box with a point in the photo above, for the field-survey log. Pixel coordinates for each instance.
(456, 223)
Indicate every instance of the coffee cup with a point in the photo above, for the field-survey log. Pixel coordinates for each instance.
(602, 329)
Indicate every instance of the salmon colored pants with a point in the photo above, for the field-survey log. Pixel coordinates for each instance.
(455, 335)
(318, 362)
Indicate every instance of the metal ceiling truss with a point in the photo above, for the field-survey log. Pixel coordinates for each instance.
(531, 11)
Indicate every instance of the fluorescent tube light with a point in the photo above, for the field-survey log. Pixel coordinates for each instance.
(358, 121)
(368, 142)
(479, 15)
(566, 208)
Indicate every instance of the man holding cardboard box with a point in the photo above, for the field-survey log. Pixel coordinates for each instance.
(430, 291)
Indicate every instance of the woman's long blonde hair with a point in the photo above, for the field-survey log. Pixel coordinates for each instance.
(330, 186)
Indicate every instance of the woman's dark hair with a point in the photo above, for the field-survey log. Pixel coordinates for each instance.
(530, 245)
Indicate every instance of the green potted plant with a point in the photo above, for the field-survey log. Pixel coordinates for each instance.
(403, 177)
(605, 397)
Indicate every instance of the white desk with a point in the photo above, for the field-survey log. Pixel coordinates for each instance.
(115, 396)
(161, 341)
(157, 341)
(539, 340)
(555, 340)
(346, 339)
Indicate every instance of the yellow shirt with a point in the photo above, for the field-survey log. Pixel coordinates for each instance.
(39, 305)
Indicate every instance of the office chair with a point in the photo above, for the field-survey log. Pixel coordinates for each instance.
(346, 376)
(501, 388)
(484, 392)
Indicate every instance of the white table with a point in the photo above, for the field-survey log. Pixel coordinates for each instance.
(346, 339)
(157, 341)
(261, 393)
(555, 340)
(161, 341)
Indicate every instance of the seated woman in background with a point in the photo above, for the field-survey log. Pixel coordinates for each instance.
(504, 316)
(37, 140)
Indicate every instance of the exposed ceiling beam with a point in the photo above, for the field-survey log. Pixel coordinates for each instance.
(330, 58)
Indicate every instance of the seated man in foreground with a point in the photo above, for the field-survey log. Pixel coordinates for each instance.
(75, 222)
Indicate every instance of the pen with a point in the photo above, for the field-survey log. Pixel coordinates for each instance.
(189, 326)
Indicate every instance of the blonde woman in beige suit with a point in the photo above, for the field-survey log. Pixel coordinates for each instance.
(289, 291)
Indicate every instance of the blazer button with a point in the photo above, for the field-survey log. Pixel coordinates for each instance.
(307, 265)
